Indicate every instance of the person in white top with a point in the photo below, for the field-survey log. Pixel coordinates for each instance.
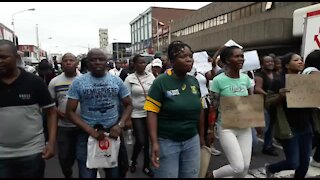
(139, 84)
(67, 131)
(117, 70)
(156, 66)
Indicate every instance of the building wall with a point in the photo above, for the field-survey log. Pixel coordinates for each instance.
(266, 29)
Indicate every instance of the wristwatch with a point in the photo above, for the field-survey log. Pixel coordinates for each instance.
(121, 124)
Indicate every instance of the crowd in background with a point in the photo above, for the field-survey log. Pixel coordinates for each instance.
(167, 103)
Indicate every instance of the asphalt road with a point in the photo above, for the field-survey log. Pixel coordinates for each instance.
(256, 167)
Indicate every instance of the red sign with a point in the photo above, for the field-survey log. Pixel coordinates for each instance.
(316, 38)
(104, 144)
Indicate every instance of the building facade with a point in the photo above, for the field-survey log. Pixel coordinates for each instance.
(7, 34)
(263, 26)
(103, 38)
(121, 50)
(32, 52)
(145, 38)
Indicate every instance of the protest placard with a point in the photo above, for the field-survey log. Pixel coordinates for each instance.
(304, 90)
(242, 111)
(232, 43)
(201, 61)
(251, 61)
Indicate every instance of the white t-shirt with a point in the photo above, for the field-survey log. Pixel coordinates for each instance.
(115, 71)
(58, 88)
(137, 93)
(308, 70)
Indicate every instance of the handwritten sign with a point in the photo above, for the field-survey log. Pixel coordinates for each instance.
(304, 90)
(201, 62)
(242, 112)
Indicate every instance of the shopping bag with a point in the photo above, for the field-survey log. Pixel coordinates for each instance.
(204, 161)
(104, 153)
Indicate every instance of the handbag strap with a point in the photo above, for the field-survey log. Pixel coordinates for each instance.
(144, 91)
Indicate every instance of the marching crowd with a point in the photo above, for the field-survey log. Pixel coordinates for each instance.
(172, 107)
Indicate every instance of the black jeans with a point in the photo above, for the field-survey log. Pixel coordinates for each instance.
(67, 139)
(142, 139)
(22, 167)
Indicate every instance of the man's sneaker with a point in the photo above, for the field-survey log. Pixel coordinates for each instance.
(315, 163)
(215, 152)
(268, 173)
(148, 172)
(270, 152)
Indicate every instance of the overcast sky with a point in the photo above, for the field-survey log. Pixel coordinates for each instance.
(73, 26)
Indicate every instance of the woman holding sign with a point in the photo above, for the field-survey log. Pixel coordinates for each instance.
(236, 142)
(292, 126)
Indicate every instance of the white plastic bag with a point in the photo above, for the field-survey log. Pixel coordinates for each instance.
(102, 154)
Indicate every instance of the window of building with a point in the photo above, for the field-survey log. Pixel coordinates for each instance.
(149, 17)
(139, 35)
(259, 7)
(237, 14)
(247, 14)
(211, 23)
(190, 29)
(143, 32)
(26, 54)
(225, 18)
(201, 26)
(206, 24)
(218, 20)
(146, 31)
(242, 13)
(196, 27)
(229, 17)
(253, 9)
(150, 29)
(145, 20)
(214, 21)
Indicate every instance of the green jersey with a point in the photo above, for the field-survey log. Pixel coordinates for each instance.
(178, 105)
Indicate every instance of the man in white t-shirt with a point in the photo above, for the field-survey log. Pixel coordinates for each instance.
(117, 70)
(67, 131)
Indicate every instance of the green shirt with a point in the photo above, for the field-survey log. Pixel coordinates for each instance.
(178, 105)
(226, 86)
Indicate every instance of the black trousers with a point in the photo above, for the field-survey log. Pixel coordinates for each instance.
(140, 132)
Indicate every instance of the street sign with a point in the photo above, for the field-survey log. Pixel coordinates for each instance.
(311, 35)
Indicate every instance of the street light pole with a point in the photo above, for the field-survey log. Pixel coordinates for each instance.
(117, 50)
(13, 28)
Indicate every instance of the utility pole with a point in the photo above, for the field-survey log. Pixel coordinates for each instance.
(38, 44)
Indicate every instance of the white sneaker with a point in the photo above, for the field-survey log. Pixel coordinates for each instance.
(315, 163)
(215, 152)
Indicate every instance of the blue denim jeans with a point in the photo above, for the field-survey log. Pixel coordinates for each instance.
(268, 138)
(22, 167)
(81, 155)
(255, 140)
(179, 159)
(297, 151)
